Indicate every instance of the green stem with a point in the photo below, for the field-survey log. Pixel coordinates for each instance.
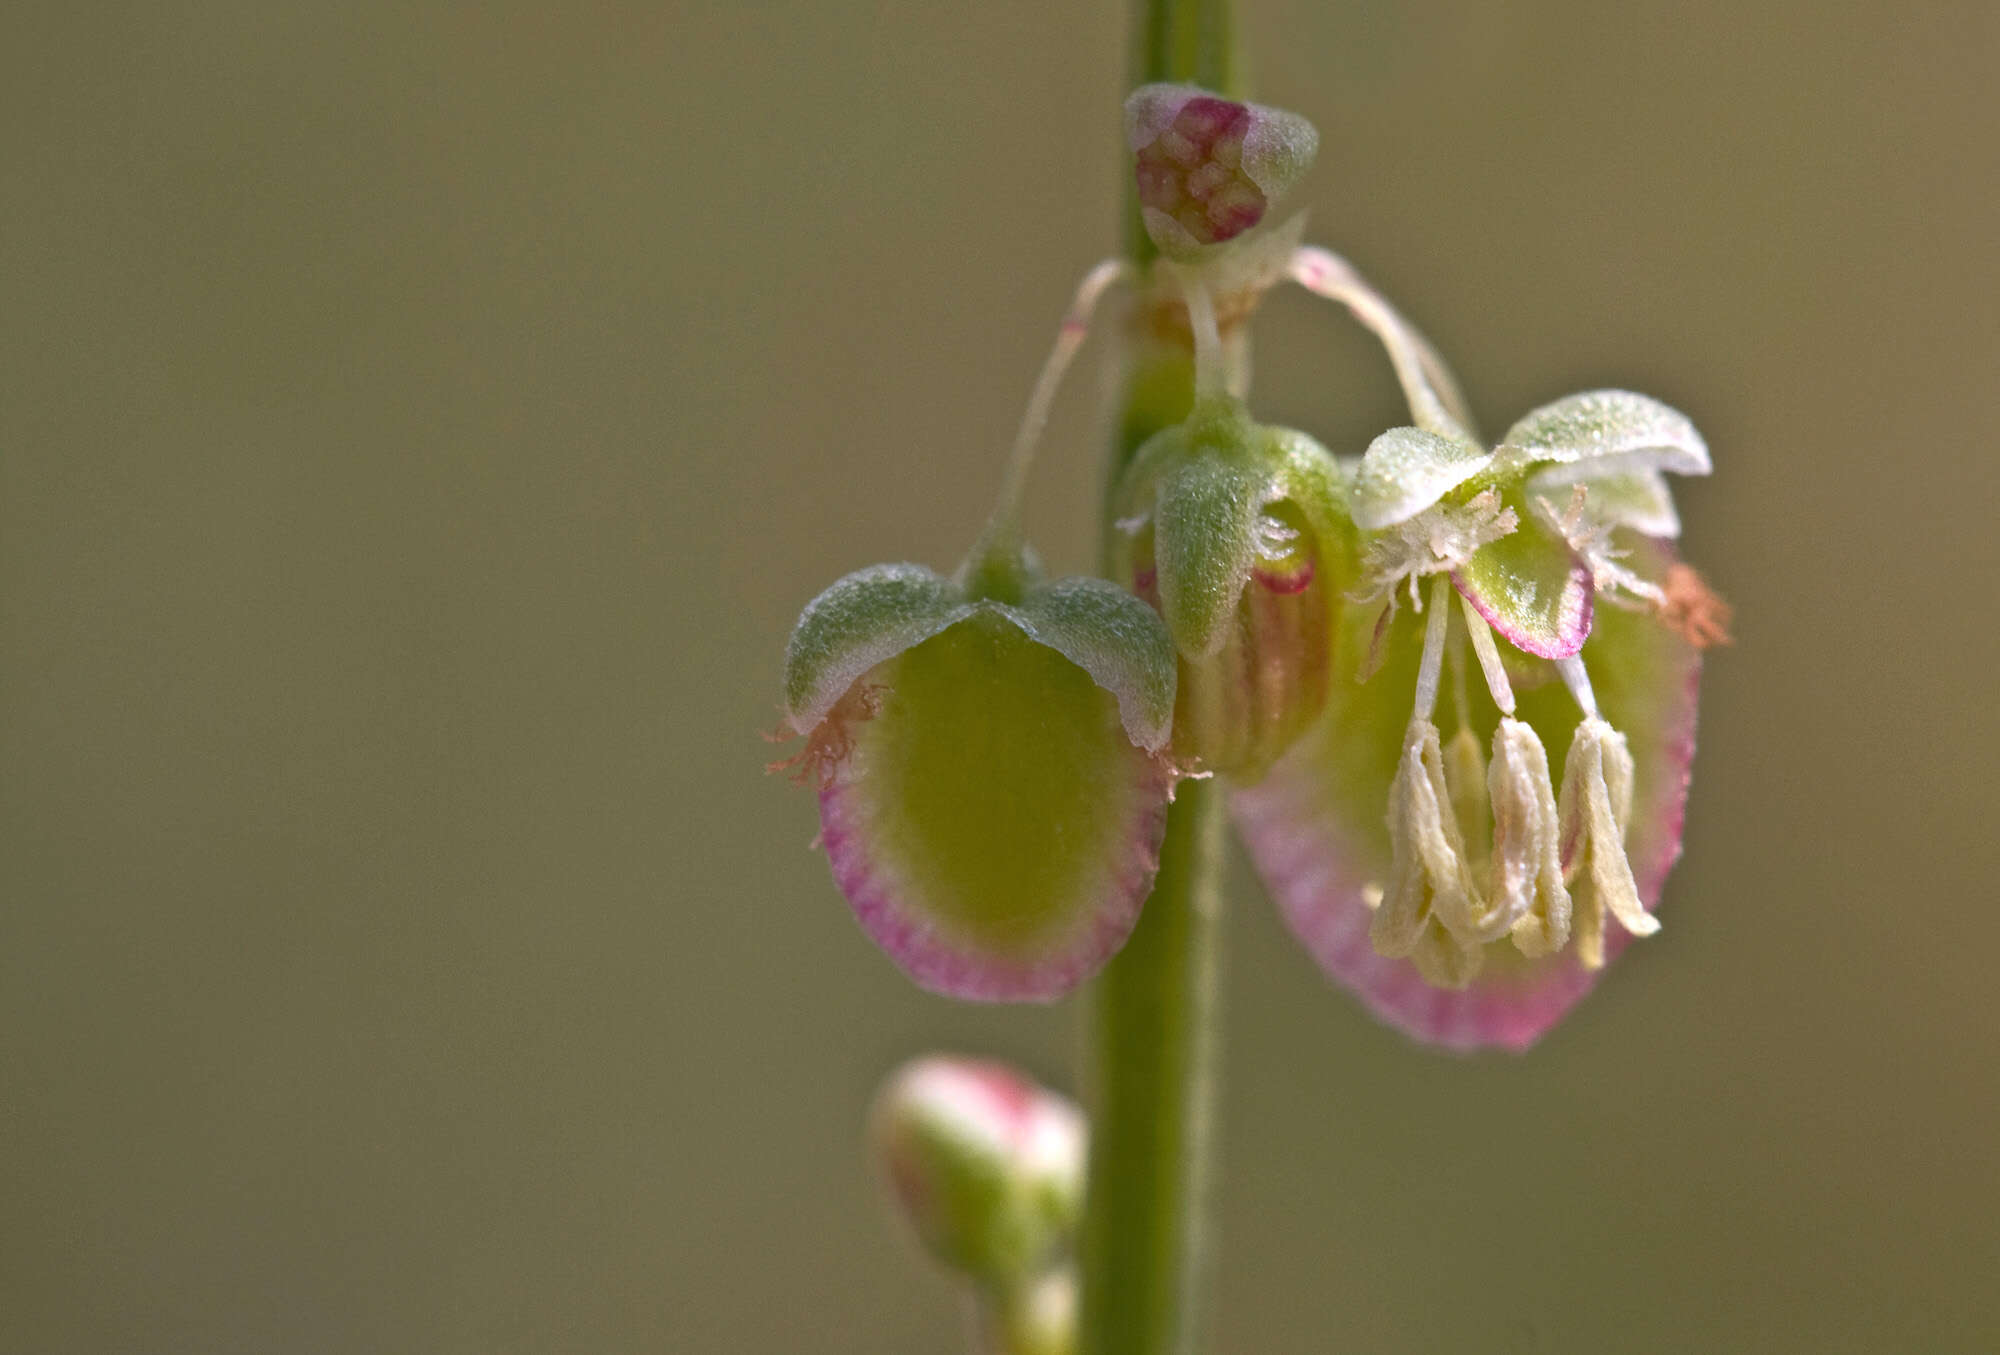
(1152, 1119)
(1156, 1013)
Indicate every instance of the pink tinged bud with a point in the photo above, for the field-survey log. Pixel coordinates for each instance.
(986, 1165)
(1314, 829)
(1242, 706)
(1225, 537)
(1208, 169)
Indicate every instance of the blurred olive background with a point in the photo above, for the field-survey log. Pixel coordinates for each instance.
(420, 425)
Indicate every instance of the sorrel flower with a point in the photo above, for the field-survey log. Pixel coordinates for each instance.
(1473, 908)
(1376, 654)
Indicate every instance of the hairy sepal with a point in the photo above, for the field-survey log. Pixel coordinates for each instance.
(1205, 544)
(1117, 639)
(863, 619)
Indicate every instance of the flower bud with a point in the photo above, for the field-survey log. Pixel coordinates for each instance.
(1210, 169)
(986, 1165)
(1227, 535)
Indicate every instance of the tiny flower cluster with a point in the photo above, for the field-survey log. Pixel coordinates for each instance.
(995, 751)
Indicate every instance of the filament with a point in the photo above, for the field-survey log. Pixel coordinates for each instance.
(1578, 681)
(1489, 656)
(1434, 633)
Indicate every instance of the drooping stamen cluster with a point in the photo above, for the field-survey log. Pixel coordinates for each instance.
(1484, 850)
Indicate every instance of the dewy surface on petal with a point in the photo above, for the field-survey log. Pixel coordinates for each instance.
(1406, 470)
(1615, 429)
(1314, 825)
(990, 820)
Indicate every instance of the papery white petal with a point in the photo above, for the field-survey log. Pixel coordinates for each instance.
(1405, 471)
(1619, 430)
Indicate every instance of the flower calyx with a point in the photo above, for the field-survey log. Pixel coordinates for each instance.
(1232, 530)
(988, 751)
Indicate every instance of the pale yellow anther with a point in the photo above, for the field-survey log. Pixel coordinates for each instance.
(1444, 961)
(1486, 913)
(1465, 778)
(1428, 878)
(1526, 880)
(1595, 809)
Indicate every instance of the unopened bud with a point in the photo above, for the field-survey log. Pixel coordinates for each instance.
(986, 1165)
(1208, 168)
(1225, 535)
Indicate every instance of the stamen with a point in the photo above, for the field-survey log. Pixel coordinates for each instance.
(1527, 880)
(1465, 779)
(1428, 880)
(1595, 809)
(1578, 681)
(1455, 665)
(1434, 630)
(1489, 656)
(1444, 961)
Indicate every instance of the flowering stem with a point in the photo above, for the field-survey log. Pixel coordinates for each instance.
(1153, 1113)
(1156, 1014)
